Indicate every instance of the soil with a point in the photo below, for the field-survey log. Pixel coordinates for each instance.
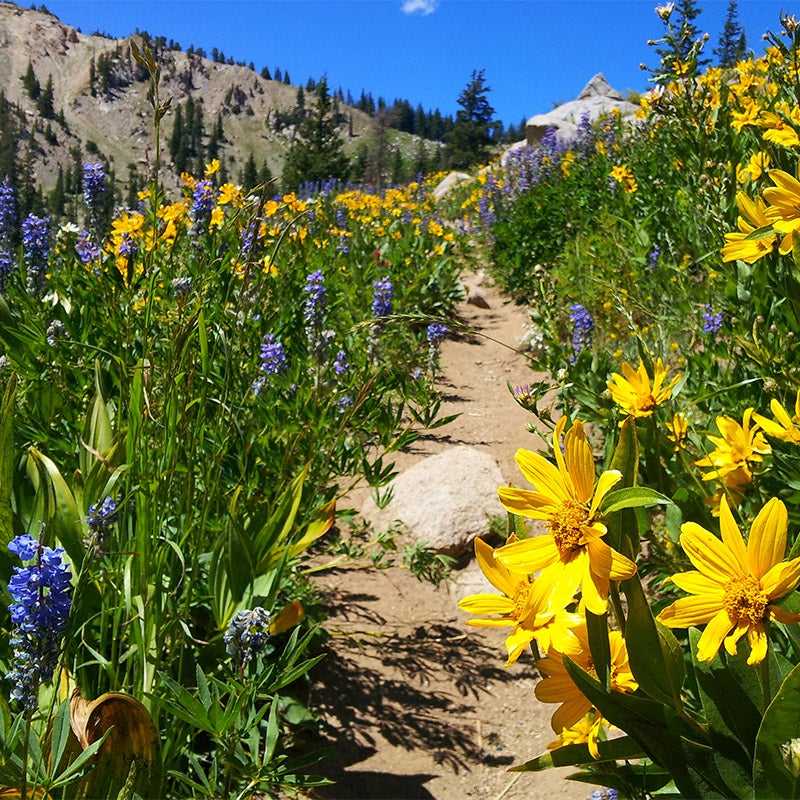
(414, 703)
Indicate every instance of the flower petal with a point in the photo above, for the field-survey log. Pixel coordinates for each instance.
(486, 604)
(608, 563)
(605, 483)
(527, 503)
(543, 475)
(781, 579)
(711, 638)
(689, 611)
(529, 555)
(516, 642)
(695, 582)
(579, 462)
(495, 572)
(733, 639)
(767, 543)
(731, 535)
(572, 711)
(709, 554)
(757, 638)
(594, 587)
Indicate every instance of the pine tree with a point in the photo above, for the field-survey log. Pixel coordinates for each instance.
(468, 142)
(732, 46)
(45, 103)
(317, 152)
(250, 174)
(31, 84)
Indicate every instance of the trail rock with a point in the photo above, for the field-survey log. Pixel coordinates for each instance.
(448, 183)
(443, 501)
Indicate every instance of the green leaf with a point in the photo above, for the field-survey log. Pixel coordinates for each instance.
(597, 629)
(654, 654)
(623, 532)
(779, 727)
(620, 749)
(731, 714)
(632, 497)
(7, 460)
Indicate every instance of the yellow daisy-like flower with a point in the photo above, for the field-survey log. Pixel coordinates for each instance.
(558, 687)
(633, 391)
(536, 609)
(567, 499)
(784, 209)
(739, 245)
(678, 428)
(734, 585)
(783, 427)
(738, 449)
(623, 175)
(585, 731)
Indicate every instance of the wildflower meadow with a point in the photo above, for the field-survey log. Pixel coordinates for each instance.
(189, 389)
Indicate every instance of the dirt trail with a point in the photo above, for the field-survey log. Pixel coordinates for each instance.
(414, 703)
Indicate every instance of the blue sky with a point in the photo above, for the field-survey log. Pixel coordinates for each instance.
(535, 53)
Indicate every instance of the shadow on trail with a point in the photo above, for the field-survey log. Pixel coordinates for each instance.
(417, 687)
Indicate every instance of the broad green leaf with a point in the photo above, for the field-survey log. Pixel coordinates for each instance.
(655, 657)
(7, 461)
(621, 749)
(731, 715)
(632, 497)
(780, 728)
(597, 628)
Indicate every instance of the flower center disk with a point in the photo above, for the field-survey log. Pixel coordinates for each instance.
(566, 526)
(745, 600)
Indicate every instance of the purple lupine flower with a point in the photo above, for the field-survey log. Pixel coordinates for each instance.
(712, 322)
(39, 613)
(55, 330)
(6, 265)
(652, 258)
(94, 184)
(101, 517)
(340, 365)
(127, 247)
(583, 325)
(315, 298)
(383, 294)
(87, 249)
(247, 635)
(344, 402)
(272, 361)
(8, 211)
(36, 248)
(436, 332)
(203, 199)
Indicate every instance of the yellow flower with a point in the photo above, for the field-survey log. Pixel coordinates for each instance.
(754, 217)
(756, 166)
(212, 167)
(535, 609)
(734, 585)
(678, 428)
(623, 175)
(567, 499)
(558, 687)
(585, 731)
(783, 426)
(633, 392)
(784, 209)
(738, 449)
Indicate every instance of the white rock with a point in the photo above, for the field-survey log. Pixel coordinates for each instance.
(449, 182)
(443, 501)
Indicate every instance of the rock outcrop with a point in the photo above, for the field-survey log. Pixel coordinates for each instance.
(596, 99)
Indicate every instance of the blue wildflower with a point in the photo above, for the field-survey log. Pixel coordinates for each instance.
(39, 613)
(247, 635)
(94, 184)
(272, 361)
(203, 199)
(383, 294)
(712, 322)
(8, 211)
(100, 518)
(583, 325)
(436, 332)
(315, 298)
(344, 403)
(36, 249)
(652, 259)
(86, 248)
(340, 365)
(6, 265)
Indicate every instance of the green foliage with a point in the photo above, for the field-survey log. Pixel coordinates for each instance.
(468, 141)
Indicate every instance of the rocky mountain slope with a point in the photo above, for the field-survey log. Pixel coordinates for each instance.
(100, 99)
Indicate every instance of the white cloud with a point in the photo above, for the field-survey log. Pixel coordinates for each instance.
(423, 7)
